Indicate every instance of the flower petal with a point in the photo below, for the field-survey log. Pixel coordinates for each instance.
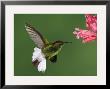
(86, 35)
(91, 33)
(91, 22)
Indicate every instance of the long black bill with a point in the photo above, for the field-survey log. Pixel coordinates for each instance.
(67, 42)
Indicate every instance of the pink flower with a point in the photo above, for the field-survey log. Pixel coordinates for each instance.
(86, 35)
(91, 22)
(91, 33)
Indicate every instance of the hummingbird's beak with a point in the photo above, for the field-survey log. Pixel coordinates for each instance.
(67, 42)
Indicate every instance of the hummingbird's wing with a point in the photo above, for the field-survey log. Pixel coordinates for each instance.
(35, 36)
(53, 59)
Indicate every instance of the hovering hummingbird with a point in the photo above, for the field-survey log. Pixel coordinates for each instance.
(45, 50)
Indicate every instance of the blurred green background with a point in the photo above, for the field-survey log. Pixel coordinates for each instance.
(76, 59)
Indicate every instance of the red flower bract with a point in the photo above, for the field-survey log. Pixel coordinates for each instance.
(91, 22)
(91, 33)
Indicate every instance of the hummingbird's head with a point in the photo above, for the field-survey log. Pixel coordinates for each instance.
(59, 43)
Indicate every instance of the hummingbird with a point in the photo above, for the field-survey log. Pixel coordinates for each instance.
(44, 49)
